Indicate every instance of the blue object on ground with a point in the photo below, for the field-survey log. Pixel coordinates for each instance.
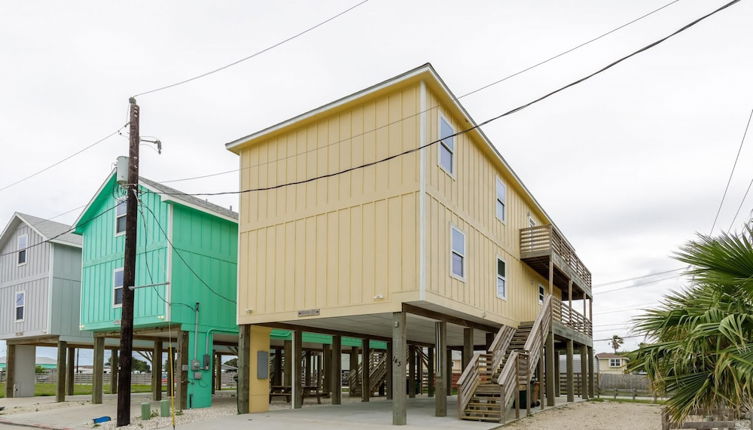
(101, 420)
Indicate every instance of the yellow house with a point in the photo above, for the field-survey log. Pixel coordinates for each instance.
(615, 364)
(380, 216)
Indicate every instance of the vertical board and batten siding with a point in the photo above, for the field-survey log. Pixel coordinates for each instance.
(468, 201)
(210, 246)
(33, 278)
(66, 292)
(103, 253)
(336, 243)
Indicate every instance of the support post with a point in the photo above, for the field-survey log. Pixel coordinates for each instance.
(114, 363)
(327, 371)
(217, 372)
(71, 376)
(98, 369)
(288, 346)
(297, 370)
(181, 388)
(336, 377)
(419, 370)
(557, 382)
(448, 379)
(278, 367)
(591, 373)
(412, 371)
(467, 347)
(542, 377)
(171, 372)
(10, 371)
(399, 345)
(62, 370)
(584, 372)
(244, 383)
(365, 381)
(549, 369)
(388, 378)
(570, 381)
(442, 374)
(157, 371)
(129, 269)
(353, 370)
(430, 371)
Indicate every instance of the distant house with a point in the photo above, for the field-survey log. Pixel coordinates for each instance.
(607, 362)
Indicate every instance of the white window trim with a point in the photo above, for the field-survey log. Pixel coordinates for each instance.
(496, 199)
(539, 295)
(497, 277)
(117, 269)
(26, 248)
(117, 203)
(464, 254)
(15, 307)
(619, 360)
(439, 149)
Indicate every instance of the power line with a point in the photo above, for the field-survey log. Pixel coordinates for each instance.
(95, 143)
(640, 284)
(477, 126)
(257, 53)
(741, 205)
(498, 81)
(729, 180)
(177, 252)
(651, 275)
(623, 337)
(60, 234)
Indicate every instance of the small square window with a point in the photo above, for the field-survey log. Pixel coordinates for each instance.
(501, 200)
(457, 253)
(22, 245)
(615, 362)
(446, 146)
(117, 291)
(20, 305)
(542, 293)
(501, 279)
(120, 217)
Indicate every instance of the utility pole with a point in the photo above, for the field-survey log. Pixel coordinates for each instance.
(129, 270)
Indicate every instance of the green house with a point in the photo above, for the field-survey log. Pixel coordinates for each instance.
(185, 288)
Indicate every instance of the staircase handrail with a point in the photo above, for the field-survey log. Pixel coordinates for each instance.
(467, 383)
(500, 344)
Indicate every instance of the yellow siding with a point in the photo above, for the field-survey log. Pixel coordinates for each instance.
(468, 201)
(335, 244)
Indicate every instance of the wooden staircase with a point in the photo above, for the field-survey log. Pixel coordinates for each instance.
(377, 375)
(493, 379)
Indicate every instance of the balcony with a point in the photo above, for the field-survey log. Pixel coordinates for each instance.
(563, 314)
(542, 246)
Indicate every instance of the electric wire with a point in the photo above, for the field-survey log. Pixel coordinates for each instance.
(38, 172)
(489, 85)
(650, 275)
(255, 54)
(729, 180)
(479, 125)
(639, 285)
(180, 256)
(745, 196)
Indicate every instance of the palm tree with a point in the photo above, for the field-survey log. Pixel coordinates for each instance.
(616, 343)
(702, 354)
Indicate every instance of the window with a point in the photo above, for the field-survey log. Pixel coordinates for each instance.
(541, 293)
(501, 279)
(615, 362)
(446, 146)
(20, 305)
(457, 253)
(117, 289)
(23, 243)
(501, 200)
(531, 222)
(120, 217)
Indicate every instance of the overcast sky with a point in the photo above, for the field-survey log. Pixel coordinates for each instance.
(630, 164)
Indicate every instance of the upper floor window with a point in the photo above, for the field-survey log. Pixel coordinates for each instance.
(457, 253)
(120, 217)
(117, 288)
(501, 200)
(501, 279)
(615, 362)
(20, 305)
(531, 221)
(446, 146)
(542, 293)
(23, 243)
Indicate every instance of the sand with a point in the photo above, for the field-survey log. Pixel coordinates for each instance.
(594, 416)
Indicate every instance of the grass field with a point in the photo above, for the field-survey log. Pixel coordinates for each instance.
(49, 389)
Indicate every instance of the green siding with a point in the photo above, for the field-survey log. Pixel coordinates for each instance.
(103, 253)
(210, 246)
(325, 339)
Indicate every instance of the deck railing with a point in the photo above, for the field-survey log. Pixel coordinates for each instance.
(570, 317)
(544, 238)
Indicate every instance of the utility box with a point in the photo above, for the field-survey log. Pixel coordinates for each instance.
(121, 170)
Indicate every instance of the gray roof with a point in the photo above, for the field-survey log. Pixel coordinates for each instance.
(51, 230)
(188, 199)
